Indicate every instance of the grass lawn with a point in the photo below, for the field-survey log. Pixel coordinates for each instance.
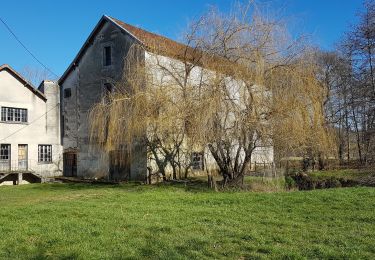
(75, 221)
(351, 174)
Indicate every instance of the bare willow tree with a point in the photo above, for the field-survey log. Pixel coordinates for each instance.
(149, 106)
(238, 83)
(264, 91)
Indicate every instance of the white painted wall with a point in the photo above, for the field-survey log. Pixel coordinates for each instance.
(43, 126)
(199, 75)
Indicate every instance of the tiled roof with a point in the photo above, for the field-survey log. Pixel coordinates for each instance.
(162, 45)
(153, 42)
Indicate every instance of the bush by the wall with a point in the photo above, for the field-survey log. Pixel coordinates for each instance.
(304, 181)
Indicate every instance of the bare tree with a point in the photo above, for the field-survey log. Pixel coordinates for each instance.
(358, 47)
(238, 83)
(336, 74)
(35, 75)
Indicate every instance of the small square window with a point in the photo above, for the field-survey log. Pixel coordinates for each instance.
(67, 92)
(4, 151)
(45, 153)
(197, 161)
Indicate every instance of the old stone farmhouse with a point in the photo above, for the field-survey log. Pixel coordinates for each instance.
(30, 147)
(94, 71)
(40, 128)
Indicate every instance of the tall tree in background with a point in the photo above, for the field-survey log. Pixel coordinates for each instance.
(336, 74)
(349, 74)
(358, 48)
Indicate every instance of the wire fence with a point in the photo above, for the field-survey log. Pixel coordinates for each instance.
(264, 169)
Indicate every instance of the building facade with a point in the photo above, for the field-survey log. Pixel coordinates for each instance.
(45, 132)
(30, 148)
(94, 71)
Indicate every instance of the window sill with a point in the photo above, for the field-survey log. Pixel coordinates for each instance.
(14, 123)
(43, 163)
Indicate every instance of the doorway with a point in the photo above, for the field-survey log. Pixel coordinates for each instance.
(4, 157)
(70, 164)
(22, 157)
(119, 165)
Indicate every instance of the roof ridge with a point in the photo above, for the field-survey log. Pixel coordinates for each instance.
(143, 30)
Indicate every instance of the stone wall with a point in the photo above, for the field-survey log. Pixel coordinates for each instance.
(86, 82)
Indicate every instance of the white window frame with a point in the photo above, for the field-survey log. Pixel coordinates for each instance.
(13, 115)
(45, 153)
(5, 147)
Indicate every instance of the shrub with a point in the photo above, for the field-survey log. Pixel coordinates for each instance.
(289, 183)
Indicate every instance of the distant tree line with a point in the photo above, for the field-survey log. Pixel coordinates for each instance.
(349, 75)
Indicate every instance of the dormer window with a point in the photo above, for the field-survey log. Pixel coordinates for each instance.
(107, 56)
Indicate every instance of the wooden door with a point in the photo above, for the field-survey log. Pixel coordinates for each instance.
(70, 164)
(22, 157)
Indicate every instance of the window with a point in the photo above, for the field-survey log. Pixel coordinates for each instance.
(5, 152)
(197, 161)
(67, 92)
(3, 114)
(108, 88)
(10, 114)
(24, 115)
(45, 153)
(107, 56)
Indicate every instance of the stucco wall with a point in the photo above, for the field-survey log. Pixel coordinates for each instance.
(42, 126)
(198, 76)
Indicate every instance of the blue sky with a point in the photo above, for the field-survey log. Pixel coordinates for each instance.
(55, 30)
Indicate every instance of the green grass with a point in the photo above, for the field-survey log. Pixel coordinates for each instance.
(61, 221)
(266, 184)
(351, 174)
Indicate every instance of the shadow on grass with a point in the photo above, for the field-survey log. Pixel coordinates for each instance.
(72, 186)
(190, 185)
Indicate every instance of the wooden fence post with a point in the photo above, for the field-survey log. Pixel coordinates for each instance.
(255, 166)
